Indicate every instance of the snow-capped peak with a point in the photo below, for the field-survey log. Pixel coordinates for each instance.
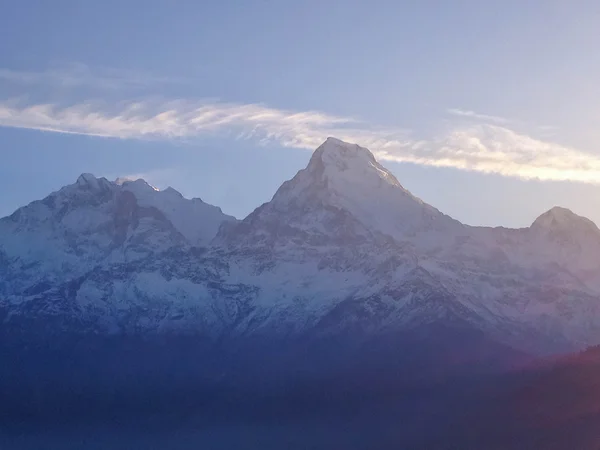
(140, 188)
(349, 163)
(563, 219)
(173, 192)
(347, 177)
(197, 221)
(86, 178)
(89, 181)
(139, 182)
(335, 150)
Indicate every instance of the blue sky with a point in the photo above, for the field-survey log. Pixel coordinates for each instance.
(487, 110)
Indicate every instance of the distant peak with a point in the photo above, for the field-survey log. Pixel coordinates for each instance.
(557, 214)
(90, 182)
(169, 190)
(140, 182)
(336, 141)
(120, 181)
(337, 160)
(559, 211)
(86, 178)
(562, 218)
(334, 149)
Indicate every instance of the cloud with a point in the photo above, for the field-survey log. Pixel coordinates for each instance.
(494, 149)
(484, 147)
(178, 119)
(476, 116)
(157, 178)
(81, 75)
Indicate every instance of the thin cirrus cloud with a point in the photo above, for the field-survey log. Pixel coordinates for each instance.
(481, 146)
(477, 116)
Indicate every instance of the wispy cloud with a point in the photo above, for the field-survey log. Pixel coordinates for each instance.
(481, 147)
(159, 178)
(81, 75)
(179, 119)
(496, 149)
(477, 116)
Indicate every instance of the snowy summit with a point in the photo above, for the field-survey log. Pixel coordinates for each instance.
(342, 248)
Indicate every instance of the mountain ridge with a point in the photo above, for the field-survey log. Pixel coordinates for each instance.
(342, 249)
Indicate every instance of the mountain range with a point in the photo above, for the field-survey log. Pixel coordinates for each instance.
(341, 249)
